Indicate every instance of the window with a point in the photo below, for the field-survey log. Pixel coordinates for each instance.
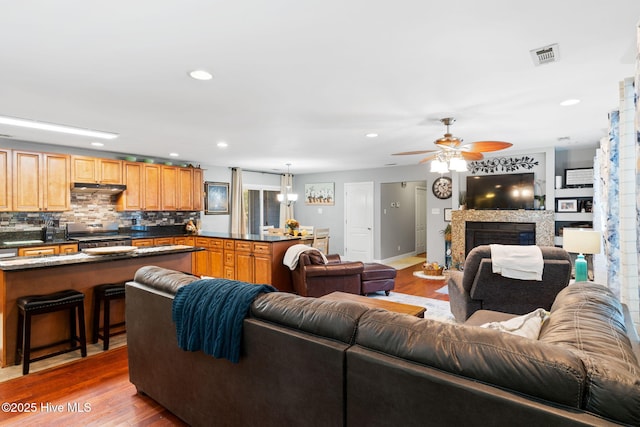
(262, 207)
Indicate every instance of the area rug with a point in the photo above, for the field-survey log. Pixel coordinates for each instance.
(436, 309)
(443, 290)
(403, 263)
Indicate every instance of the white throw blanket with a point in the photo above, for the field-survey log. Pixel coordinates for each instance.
(293, 254)
(517, 262)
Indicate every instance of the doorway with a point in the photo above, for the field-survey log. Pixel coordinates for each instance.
(358, 215)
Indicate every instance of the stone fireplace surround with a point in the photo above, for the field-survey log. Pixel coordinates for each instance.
(544, 224)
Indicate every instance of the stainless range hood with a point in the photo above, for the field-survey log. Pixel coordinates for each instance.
(82, 187)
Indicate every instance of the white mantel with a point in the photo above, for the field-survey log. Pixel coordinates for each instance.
(544, 220)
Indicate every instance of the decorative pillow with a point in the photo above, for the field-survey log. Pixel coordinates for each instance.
(527, 325)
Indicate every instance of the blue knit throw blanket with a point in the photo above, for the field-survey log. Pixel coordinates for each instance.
(209, 313)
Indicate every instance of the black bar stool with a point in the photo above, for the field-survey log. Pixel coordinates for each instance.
(32, 305)
(105, 293)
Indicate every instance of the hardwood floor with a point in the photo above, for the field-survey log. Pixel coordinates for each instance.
(96, 391)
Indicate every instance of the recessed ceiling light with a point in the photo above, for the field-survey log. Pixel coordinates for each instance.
(52, 127)
(200, 75)
(97, 144)
(174, 154)
(371, 135)
(222, 144)
(569, 102)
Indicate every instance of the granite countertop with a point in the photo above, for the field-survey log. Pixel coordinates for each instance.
(33, 262)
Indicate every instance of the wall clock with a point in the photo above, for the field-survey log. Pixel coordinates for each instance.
(442, 187)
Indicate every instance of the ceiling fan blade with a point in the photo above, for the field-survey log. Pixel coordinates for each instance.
(486, 146)
(407, 153)
(469, 155)
(428, 159)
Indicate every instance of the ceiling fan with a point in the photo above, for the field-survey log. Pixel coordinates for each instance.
(453, 153)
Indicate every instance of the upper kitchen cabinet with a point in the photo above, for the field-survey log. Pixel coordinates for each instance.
(132, 199)
(185, 189)
(198, 190)
(40, 181)
(169, 189)
(152, 184)
(92, 169)
(5, 180)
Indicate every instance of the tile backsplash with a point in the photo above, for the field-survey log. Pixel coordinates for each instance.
(91, 208)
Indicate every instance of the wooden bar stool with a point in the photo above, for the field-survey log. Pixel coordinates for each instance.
(104, 294)
(32, 305)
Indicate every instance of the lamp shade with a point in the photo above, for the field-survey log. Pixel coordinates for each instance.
(581, 240)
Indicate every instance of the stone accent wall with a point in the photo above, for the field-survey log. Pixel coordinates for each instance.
(544, 220)
(89, 208)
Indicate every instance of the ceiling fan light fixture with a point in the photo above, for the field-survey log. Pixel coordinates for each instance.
(438, 166)
(458, 164)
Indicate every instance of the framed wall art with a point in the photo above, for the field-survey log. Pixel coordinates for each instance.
(447, 214)
(576, 178)
(322, 193)
(567, 205)
(217, 198)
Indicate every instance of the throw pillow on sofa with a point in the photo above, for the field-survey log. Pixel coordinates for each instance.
(528, 325)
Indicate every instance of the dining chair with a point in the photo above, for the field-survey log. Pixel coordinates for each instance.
(321, 240)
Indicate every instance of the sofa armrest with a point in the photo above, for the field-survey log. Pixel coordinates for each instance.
(462, 306)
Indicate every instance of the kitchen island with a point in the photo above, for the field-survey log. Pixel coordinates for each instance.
(46, 274)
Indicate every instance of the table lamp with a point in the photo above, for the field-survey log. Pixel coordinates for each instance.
(581, 241)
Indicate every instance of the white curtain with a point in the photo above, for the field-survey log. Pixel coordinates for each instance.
(286, 208)
(238, 223)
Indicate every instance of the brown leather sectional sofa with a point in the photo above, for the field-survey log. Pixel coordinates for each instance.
(306, 361)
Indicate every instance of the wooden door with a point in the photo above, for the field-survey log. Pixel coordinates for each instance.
(84, 169)
(27, 192)
(169, 188)
(132, 198)
(110, 171)
(185, 189)
(56, 189)
(262, 263)
(152, 183)
(198, 190)
(6, 180)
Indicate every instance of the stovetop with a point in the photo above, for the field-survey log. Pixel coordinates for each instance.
(95, 232)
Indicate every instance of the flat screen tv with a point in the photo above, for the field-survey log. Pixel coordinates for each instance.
(509, 191)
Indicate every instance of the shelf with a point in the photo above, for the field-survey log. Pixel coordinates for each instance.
(562, 193)
(574, 216)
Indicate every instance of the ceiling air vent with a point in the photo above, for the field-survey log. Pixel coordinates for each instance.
(546, 54)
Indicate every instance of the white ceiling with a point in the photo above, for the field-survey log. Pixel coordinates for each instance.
(303, 81)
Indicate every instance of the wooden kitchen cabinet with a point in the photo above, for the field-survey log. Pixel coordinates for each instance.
(96, 170)
(229, 260)
(69, 248)
(39, 250)
(198, 190)
(40, 181)
(253, 262)
(163, 241)
(189, 241)
(169, 188)
(132, 199)
(142, 243)
(6, 180)
(152, 183)
(185, 189)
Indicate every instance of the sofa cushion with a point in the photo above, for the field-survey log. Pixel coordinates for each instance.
(538, 369)
(587, 319)
(330, 319)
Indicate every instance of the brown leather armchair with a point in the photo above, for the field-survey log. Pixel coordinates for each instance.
(478, 288)
(313, 278)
